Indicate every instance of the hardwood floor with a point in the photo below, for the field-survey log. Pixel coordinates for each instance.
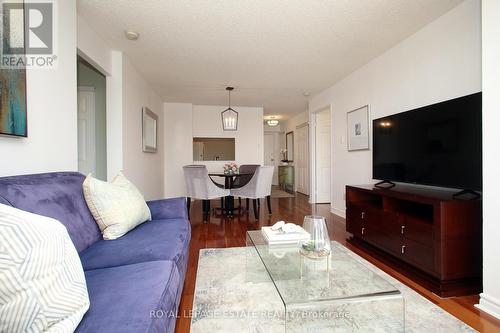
(231, 232)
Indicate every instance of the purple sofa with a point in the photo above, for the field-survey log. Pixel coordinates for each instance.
(134, 282)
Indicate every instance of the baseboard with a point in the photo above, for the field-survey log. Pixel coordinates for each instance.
(489, 305)
(338, 212)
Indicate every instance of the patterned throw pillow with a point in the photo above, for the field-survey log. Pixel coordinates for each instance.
(118, 207)
(42, 284)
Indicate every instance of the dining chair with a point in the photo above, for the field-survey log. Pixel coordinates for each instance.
(200, 186)
(258, 187)
(247, 171)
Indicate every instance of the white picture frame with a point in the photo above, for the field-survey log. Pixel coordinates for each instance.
(149, 131)
(358, 129)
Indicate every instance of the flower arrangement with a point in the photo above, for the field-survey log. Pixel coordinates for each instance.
(230, 168)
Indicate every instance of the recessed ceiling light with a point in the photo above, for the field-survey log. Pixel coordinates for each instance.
(306, 93)
(131, 35)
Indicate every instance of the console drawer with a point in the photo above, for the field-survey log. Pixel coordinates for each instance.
(417, 231)
(355, 221)
(417, 254)
(352, 219)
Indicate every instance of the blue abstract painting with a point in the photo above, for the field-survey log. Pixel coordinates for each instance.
(13, 115)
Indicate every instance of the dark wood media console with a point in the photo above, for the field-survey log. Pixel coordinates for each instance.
(425, 234)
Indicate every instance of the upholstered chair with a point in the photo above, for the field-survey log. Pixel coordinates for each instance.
(258, 187)
(200, 186)
(243, 180)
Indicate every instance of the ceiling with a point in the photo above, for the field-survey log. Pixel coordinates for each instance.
(273, 52)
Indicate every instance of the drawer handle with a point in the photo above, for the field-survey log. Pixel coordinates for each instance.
(363, 215)
(403, 249)
(403, 230)
(362, 231)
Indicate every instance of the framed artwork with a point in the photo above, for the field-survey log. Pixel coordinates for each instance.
(13, 113)
(149, 131)
(358, 129)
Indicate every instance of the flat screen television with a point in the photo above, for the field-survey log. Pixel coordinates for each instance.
(438, 145)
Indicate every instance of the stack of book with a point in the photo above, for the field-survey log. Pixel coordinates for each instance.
(293, 235)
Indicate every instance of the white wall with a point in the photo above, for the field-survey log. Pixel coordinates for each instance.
(249, 138)
(183, 121)
(145, 170)
(490, 298)
(126, 93)
(114, 115)
(440, 62)
(298, 119)
(291, 126)
(109, 62)
(92, 48)
(178, 145)
(274, 129)
(52, 122)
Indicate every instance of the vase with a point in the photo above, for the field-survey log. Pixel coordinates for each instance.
(318, 246)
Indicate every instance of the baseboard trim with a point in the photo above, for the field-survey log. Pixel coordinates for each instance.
(489, 305)
(338, 212)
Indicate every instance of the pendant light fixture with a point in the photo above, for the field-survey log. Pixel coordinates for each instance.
(229, 116)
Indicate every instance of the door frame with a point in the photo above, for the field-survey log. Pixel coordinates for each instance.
(297, 128)
(113, 74)
(312, 151)
(89, 89)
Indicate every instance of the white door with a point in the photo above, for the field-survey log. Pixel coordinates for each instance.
(270, 154)
(86, 131)
(323, 156)
(302, 159)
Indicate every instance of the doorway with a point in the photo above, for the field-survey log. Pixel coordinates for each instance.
(271, 153)
(322, 155)
(302, 159)
(91, 120)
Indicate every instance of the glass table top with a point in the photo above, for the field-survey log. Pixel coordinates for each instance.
(302, 280)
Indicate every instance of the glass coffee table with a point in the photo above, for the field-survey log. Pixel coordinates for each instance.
(334, 293)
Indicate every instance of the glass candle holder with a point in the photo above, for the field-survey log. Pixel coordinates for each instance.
(318, 246)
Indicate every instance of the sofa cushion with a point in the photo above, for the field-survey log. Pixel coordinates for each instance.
(58, 195)
(173, 208)
(42, 285)
(118, 207)
(154, 240)
(133, 298)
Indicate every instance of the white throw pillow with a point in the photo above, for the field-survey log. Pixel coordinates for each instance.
(118, 207)
(42, 284)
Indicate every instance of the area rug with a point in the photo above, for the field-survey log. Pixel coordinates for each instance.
(235, 294)
(277, 193)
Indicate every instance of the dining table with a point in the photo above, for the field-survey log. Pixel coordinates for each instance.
(229, 180)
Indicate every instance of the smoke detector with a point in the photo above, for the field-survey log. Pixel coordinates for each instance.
(131, 35)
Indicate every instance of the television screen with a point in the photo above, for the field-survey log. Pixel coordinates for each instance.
(439, 145)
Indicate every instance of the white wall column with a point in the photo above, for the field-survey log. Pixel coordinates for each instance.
(490, 298)
(178, 146)
(114, 115)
